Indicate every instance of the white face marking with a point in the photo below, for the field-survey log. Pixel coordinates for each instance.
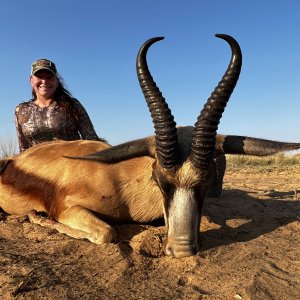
(183, 214)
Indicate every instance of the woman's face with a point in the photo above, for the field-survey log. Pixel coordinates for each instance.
(44, 84)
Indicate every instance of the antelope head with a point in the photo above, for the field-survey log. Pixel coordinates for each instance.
(183, 164)
(183, 173)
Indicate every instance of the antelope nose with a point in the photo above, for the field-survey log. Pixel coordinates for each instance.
(180, 251)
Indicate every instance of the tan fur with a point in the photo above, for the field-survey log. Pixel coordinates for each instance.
(72, 191)
(84, 195)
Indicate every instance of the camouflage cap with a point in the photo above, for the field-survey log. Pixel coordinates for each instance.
(43, 64)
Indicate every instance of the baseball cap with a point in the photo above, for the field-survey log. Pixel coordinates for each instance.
(43, 64)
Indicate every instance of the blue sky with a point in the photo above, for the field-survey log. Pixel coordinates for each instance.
(94, 44)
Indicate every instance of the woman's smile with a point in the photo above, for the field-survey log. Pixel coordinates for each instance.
(44, 84)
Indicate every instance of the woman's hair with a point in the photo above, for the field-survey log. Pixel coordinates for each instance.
(61, 93)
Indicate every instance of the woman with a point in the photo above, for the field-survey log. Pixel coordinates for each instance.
(52, 113)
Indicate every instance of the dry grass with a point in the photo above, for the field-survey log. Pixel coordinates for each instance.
(266, 163)
(8, 148)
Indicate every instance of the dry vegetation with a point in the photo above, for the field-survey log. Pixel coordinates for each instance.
(274, 162)
(8, 148)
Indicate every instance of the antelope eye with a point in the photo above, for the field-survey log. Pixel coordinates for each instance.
(166, 187)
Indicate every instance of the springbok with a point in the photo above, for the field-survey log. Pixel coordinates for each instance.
(85, 185)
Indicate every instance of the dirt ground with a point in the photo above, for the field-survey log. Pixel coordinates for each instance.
(250, 250)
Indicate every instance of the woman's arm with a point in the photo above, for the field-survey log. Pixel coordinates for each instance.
(23, 143)
(85, 125)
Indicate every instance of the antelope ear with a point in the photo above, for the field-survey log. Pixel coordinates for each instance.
(233, 144)
(136, 148)
(3, 164)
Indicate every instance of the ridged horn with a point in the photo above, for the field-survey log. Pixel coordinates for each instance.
(203, 140)
(165, 127)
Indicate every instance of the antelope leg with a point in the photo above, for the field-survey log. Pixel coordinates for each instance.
(79, 223)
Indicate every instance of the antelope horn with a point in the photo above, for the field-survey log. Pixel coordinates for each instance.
(165, 127)
(204, 135)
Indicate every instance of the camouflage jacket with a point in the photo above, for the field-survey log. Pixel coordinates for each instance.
(62, 121)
